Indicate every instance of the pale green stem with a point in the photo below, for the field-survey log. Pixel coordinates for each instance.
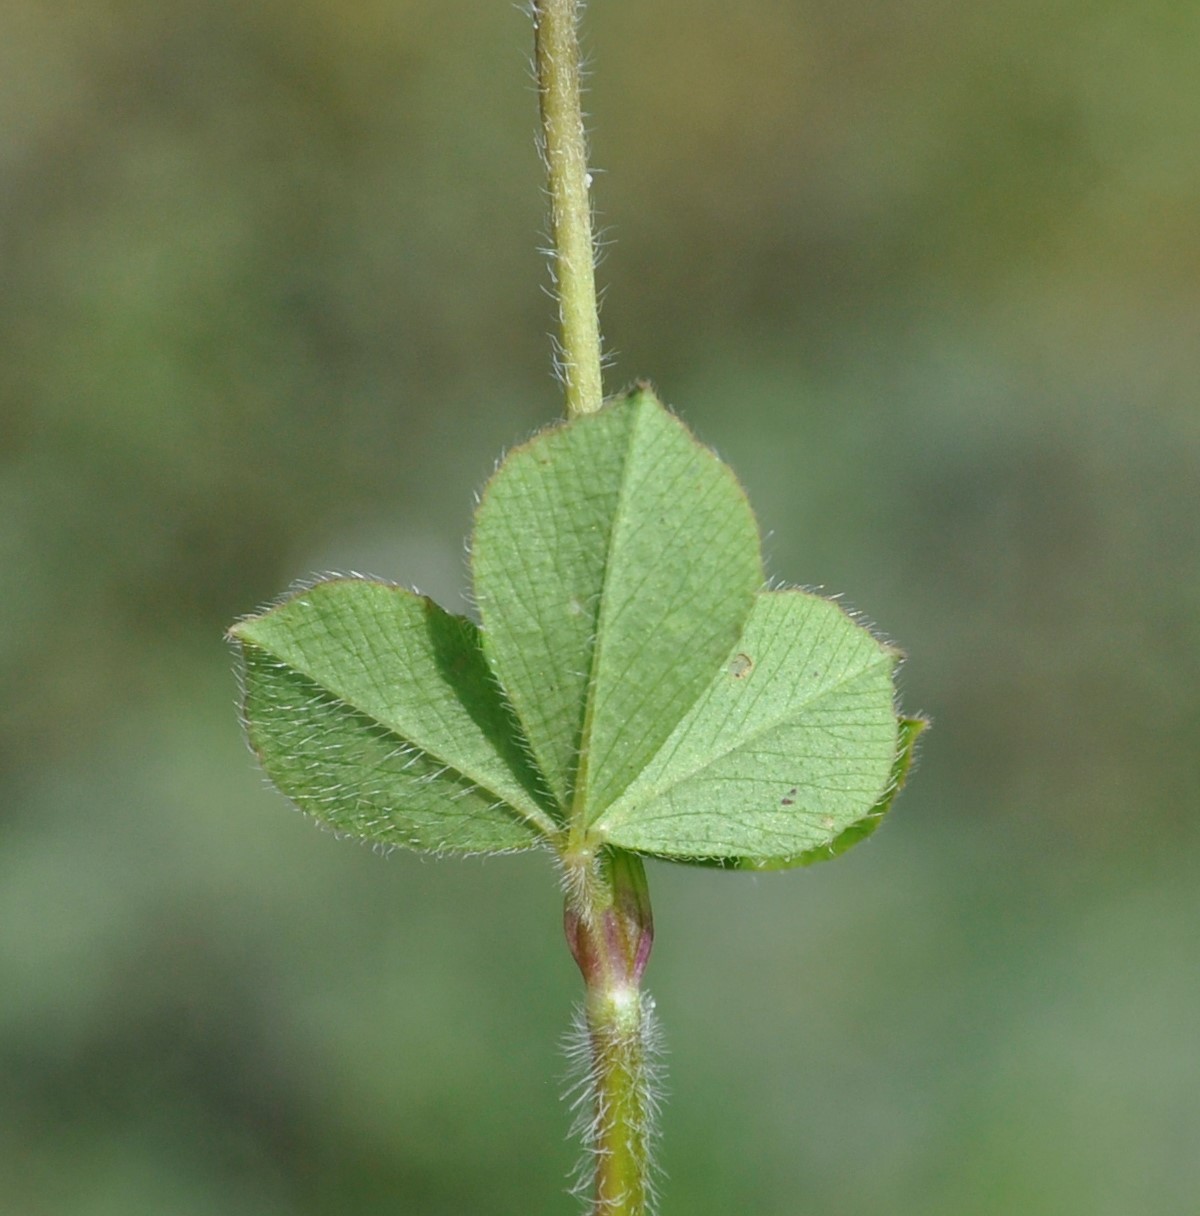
(607, 916)
(621, 1143)
(565, 147)
(610, 930)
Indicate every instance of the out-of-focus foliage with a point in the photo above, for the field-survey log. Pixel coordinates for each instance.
(271, 305)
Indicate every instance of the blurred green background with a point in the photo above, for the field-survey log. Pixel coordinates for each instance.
(926, 274)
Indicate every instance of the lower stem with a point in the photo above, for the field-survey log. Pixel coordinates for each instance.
(610, 930)
(621, 1143)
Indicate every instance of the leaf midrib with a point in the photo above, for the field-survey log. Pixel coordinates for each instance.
(579, 790)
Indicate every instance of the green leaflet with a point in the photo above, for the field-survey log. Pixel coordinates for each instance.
(373, 709)
(615, 561)
(792, 742)
(632, 683)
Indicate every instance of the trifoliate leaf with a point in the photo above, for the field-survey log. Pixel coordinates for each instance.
(615, 562)
(632, 684)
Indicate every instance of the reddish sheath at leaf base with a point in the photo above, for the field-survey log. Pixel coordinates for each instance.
(610, 936)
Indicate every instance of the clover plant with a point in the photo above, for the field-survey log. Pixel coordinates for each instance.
(631, 688)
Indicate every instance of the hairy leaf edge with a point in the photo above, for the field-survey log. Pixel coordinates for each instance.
(909, 730)
(539, 821)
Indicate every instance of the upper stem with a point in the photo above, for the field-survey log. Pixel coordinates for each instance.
(564, 145)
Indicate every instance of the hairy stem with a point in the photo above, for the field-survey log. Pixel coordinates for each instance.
(607, 916)
(610, 929)
(564, 146)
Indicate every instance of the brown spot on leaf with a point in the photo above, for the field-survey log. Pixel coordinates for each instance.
(789, 799)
